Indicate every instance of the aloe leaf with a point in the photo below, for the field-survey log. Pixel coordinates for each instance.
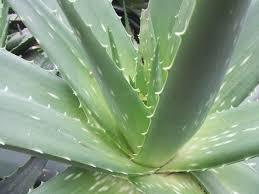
(4, 21)
(236, 178)
(210, 182)
(147, 38)
(177, 116)
(253, 163)
(224, 138)
(24, 178)
(101, 16)
(127, 108)
(141, 80)
(168, 184)
(44, 131)
(79, 181)
(243, 73)
(114, 49)
(147, 47)
(163, 29)
(164, 32)
(126, 18)
(36, 85)
(156, 80)
(62, 47)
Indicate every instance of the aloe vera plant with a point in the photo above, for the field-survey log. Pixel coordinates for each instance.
(169, 115)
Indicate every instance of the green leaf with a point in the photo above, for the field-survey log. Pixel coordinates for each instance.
(236, 178)
(210, 182)
(147, 38)
(24, 178)
(64, 50)
(182, 110)
(224, 138)
(44, 131)
(243, 73)
(168, 184)
(101, 16)
(141, 79)
(156, 83)
(163, 28)
(114, 49)
(79, 181)
(126, 18)
(253, 163)
(128, 111)
(147, 47)
(36, 85)
(4, 21)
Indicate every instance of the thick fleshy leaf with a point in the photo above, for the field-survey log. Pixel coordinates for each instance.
(181, 110)
(141, 80)
(153, 31)
(210, 183)
(164, 28)
(157, 78)
(243, 73)
(30, 82)
(168, 184)
(80, 72)
(235, 178)
(3, 22)
(147, 38)
(224, 138)
(114, 49)
(253, 163)
(101, 16)
(44, 131)
(79, 181)
(128, 111)
(24, 178)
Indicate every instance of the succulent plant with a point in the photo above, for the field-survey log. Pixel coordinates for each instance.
(3, 22)
(170, 115)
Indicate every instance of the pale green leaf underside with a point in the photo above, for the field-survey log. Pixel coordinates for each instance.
(192, 84)
(79, 181)
(168, 184)
(225, 137)
(44, 131)
(243, 73)
(236, 178)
